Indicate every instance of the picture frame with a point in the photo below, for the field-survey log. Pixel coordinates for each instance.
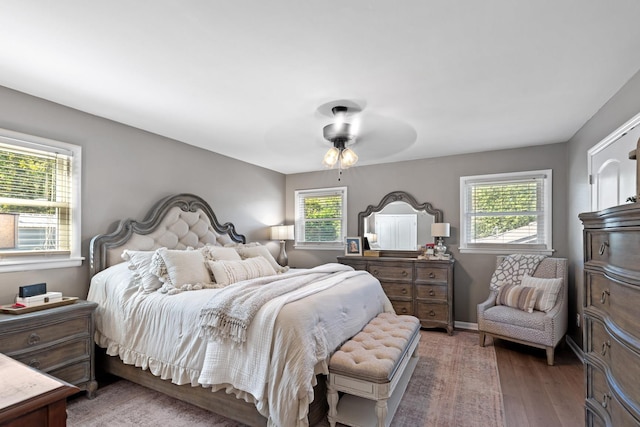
(353, 246)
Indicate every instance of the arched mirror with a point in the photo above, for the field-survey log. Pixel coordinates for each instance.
(398, 223)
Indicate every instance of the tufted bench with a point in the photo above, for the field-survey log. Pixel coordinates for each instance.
(373, 369)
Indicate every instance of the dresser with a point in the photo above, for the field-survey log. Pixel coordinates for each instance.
(612, 316)
(58, 341)
(422, 288)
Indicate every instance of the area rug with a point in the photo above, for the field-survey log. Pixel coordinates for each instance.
(455, 383)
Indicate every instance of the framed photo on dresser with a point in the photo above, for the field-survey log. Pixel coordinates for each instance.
(353, 246)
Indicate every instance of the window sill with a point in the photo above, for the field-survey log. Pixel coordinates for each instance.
(505, 251)
(319, 247)
(10, 265)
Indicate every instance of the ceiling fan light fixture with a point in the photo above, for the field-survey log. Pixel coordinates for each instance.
(331, 158)
(348, 158)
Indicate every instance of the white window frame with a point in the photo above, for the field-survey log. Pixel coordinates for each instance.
(23, 261)
(299, 222)
(466, 182)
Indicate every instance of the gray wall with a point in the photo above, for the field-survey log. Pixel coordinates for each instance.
(620, 108)
(438, 181)
(126, 170)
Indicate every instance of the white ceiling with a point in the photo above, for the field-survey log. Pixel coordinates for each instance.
(246, 78)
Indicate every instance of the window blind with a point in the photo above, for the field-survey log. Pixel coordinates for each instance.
(506, 212)
(320, 217)
(36, 187)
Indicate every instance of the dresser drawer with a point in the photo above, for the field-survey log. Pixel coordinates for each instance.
(433, 292)
(397, 290)
(594, 420)
(57, 355)
(391, 271)
(402, 307)
(599, 393)
(617, 248)
(44, 334)
(616, 300)
(432, 311)
(432, 274)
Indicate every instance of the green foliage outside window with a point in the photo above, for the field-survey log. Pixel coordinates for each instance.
(322, 218)
(502, 208)
(26, 178)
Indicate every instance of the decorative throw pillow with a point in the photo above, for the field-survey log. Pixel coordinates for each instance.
(219, 253)
(178, 267)
(548, 291)
(517, 296)
(140, 264)
(228, 272)
(262, 251)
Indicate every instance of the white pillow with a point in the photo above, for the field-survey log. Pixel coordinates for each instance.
(262, 251)
(140, 264)
(548, 291)
(228, 272)
(178, 267)
(219, 253)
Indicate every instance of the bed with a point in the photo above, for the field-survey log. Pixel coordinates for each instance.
(179, 335)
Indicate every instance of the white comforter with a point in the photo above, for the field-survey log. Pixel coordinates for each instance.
(161, 333)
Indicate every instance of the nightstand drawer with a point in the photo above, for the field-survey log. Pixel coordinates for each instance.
(40, 335)
(55, 356)
(77, 373)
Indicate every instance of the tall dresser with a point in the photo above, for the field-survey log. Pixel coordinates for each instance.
(612, 316)
(422, 288)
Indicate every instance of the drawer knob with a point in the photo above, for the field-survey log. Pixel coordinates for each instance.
(33, 339)
(404, 291)
(404, 273)
(432, 313)
(35, 363)
(432, 275)
(404, 310)
(431, 292)
(603, 297)
(605, 346)
(603, 248)
(375, 272)
(605, 400)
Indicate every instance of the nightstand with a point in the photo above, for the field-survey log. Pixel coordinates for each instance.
(58, 341)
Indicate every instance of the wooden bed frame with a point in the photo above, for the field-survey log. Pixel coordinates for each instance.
(104, 251)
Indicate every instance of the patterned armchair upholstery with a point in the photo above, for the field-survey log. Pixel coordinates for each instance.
(537, 329)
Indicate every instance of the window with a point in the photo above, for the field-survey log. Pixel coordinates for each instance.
(506, 213)
(39, 203)
(321, 218)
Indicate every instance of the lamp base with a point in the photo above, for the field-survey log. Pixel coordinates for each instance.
(282, 259)
(440, 249)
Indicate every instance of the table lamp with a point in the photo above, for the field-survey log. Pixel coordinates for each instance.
(440, 230)
(282, 233)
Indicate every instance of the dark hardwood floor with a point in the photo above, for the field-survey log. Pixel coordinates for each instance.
(536, 394)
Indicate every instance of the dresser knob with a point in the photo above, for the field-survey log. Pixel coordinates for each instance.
(432, 313)
(33, 339)
(35, 363)
(605, 400)
(431, 292)
(603, 297)
(432, 275)
(404, 310)
(605, 346)
(404, 291)
(603, 247)
(375, 272)
(404, 273)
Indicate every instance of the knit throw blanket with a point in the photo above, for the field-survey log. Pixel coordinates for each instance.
(513, 268)
(228, 314)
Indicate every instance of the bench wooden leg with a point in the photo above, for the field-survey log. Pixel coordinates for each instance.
(381, 412)
(332, 400)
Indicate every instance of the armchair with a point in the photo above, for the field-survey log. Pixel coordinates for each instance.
(538, 329)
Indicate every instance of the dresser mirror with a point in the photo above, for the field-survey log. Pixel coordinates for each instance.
(398, 223)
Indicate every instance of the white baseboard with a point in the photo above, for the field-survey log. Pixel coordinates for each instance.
(466, 325)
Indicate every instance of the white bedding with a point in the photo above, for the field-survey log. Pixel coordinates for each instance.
(161, 333)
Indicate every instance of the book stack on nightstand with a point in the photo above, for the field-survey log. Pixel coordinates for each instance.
(57, 341)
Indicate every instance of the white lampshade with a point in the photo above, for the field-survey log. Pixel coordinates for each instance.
(440, 229)
(282, 232)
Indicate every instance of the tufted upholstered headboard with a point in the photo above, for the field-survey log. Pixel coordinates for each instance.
(175, 222)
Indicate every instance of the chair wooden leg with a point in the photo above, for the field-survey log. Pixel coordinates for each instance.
(481, 335)
(550, 356)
